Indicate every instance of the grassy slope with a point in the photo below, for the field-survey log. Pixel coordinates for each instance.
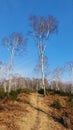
(32, 112)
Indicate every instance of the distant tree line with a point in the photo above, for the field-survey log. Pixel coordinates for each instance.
(35, 84)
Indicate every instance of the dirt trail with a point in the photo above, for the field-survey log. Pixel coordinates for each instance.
(38, 117)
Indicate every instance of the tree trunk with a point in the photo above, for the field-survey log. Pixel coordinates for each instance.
(72, 81)
(5, 89)
(42, 69)
(57, 85)
(10, 70)
(10, 80)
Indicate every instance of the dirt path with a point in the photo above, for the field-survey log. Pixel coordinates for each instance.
(38, 117)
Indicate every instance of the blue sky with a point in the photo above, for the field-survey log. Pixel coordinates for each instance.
(14, 16)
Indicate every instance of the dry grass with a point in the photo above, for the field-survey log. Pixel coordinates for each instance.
(10, 111)
(58, 114)
(32, 112)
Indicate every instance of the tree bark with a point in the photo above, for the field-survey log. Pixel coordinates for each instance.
(10, 70)
(57, 85)
(43, 83)
(5, 87)
(72, 81)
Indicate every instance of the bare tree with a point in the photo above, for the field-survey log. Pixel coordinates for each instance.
(57, 73)
(69, 68)
(41, 29)
(15, 44)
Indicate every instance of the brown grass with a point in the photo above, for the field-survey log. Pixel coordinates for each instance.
(32, 112)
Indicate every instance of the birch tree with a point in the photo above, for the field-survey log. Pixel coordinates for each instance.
(38, 66)
(15, 43)
(3, 74)
(57, 73)
(41, 29)
(69, 68)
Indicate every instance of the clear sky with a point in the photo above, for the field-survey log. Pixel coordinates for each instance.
(14, 16)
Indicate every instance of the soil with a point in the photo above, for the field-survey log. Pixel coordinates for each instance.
(29, 112)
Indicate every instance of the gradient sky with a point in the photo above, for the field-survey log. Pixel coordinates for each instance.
(14, 16)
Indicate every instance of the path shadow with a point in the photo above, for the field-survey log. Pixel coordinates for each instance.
(36, 108)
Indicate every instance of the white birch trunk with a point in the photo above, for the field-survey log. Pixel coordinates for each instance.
(42, 50)
(72, 81)
(5, 89)
(10, 70)
(57, 85)
(10, 76)
(42, 69)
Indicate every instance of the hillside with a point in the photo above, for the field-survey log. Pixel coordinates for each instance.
(30, 112)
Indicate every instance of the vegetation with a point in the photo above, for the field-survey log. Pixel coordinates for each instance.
(2, 93)
(70, 104)
(70, 101)
(13, 93)
(56, 104)
(41, 91)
